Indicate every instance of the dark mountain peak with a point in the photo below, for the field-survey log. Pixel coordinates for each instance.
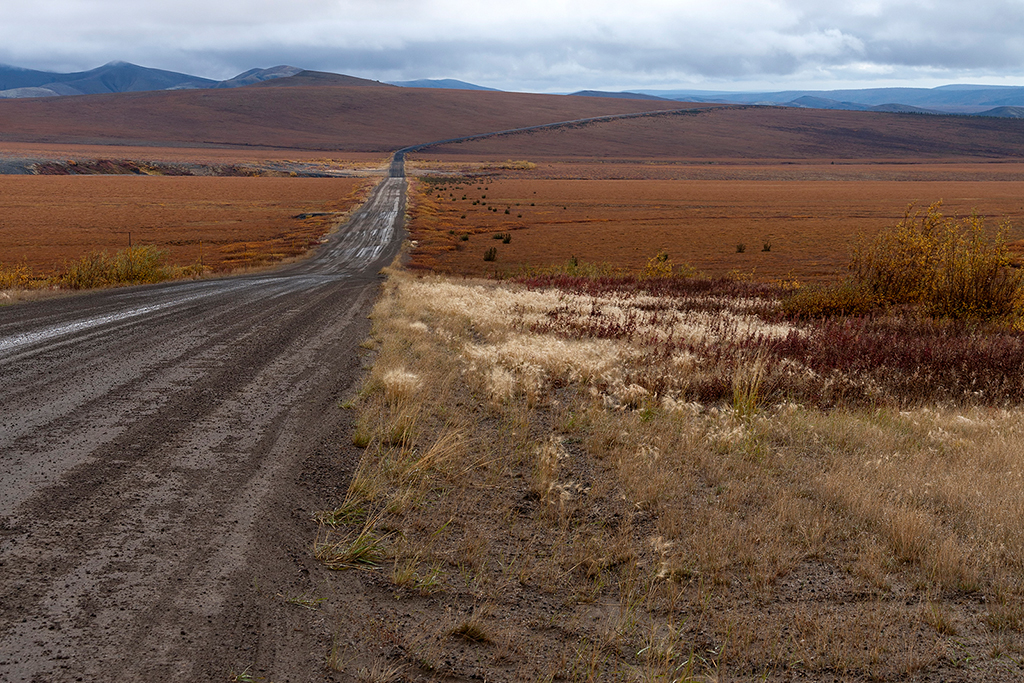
(119, 76)
(126, 77)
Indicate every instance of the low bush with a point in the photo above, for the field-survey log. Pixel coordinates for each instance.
(842, 299)
(572, 269)
(131, 266)
(943, 267)
(15, 277)
(949, 266)
(517, 165)
(660, 266)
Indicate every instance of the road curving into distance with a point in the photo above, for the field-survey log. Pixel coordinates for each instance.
(162, 450)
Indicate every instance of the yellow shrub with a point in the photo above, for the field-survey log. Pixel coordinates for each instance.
(15, 277)
(948, 267)
(131, 266)
(661, 266)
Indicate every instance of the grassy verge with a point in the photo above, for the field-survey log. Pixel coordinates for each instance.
(641, 480)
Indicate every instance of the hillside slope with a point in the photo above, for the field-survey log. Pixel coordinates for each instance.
(755, 132)
(368, 118)
(382, 118)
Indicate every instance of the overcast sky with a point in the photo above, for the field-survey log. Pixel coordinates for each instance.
(540, 45)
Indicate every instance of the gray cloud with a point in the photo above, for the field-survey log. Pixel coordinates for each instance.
(536, 45)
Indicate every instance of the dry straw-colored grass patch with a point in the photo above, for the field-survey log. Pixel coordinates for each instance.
(569, 508)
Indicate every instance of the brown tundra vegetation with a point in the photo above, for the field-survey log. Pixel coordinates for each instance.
(208, 224)
(793, 220)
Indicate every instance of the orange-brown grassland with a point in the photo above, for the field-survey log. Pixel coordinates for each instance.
(791, 219)
(602, 441)
(201, 213)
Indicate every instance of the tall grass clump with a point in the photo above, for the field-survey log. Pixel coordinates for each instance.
(941, 266)
(131, 266)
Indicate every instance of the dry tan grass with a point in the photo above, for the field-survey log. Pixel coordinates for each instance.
(537, 489)
(12, 296)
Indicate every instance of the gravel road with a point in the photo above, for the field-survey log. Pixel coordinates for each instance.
(161, 452)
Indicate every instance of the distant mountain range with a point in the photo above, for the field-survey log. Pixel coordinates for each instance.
(116, 77)
(16, 82)
(621, 95)
(980, 100)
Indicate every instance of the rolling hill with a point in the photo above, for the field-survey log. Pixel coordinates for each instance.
(444, 83)
(120, 77)
(317, 78)
(292, 113)
(289, 113)
(758, 132)
(253, 76)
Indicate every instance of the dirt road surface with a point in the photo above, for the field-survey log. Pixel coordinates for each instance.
(162, 450)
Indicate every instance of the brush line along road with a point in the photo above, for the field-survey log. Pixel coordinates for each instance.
(162, 449)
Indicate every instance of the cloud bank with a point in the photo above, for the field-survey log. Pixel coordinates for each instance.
(537, 45)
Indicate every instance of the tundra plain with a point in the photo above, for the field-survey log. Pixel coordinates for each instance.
(608, 467)
(225, 222)
(795, 220)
